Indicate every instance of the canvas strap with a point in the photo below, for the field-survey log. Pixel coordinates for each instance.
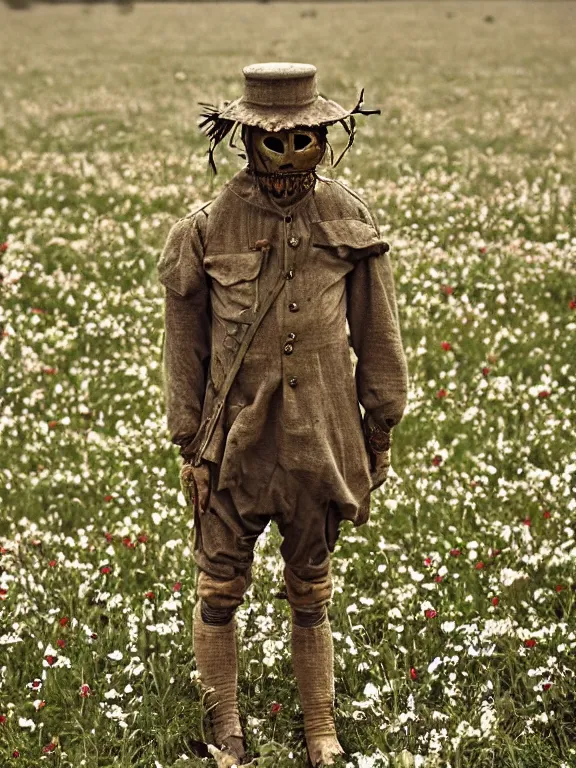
(208, 426)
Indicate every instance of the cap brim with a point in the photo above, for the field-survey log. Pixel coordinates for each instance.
(275, 118)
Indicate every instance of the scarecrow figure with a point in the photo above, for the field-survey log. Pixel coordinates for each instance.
(261, 392)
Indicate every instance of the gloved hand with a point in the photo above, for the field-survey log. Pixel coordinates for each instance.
(378, 441)
(195, 484)
(379, 466)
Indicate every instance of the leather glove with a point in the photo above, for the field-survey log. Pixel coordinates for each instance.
(378, 442)
(195, 484)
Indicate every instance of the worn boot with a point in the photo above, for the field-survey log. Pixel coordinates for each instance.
(313, 662)
(216, 661)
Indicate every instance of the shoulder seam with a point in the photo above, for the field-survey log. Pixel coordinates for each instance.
(357, 196)
(351, 192)
(197, 210)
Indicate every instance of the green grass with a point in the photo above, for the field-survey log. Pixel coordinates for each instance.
(470, 170)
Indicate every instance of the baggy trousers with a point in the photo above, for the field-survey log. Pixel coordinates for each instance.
(226, 533)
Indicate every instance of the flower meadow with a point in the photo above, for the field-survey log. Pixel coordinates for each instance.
(454, 616)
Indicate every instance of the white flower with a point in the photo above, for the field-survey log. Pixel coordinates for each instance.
(371, 692)
(115, 656)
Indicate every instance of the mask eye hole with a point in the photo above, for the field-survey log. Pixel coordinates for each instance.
(301, 141)
(274, 144)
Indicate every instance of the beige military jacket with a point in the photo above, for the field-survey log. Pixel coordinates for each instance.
(295, 399)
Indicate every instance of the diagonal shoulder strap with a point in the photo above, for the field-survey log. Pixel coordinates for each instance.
(209, 424)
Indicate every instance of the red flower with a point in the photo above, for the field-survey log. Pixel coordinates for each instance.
(49, 747)
(546, 514)
(495, 552)
(3, 593)
(437, 460)
(52, 563)
(527, 521)
(413, 673)
(543, 394)
(441, 393)
(38, 311)
(559, 587)
(483, 249)
(430, 613)
(15, 753)
(3, 719)
(108, 497)
(177, 587)
(447, 289)
(60, 643)
(572, 303)
(479, 565)
(142, 538)
(50, 370)
(275, 708)
(128, 543)
(530, 643)
(455, 552)
(105, 569)
(53, 423)
(438, 579)
(3, 247)
(93, 636)
(428, 561)
(64, 620)
(85, 690)
(485, 371)
(36, 684)
(546, 686)
(50, 659)
(495, 600)
(446, 346)
(109, 536)
(149, 595)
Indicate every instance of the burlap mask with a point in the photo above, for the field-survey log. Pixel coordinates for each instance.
(284, 162)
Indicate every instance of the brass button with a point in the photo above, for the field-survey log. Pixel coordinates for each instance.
(290, 274)
(293, 307)
(291, 336)
(288, 219)
(293, 381)
(288, 349)
(294, 242)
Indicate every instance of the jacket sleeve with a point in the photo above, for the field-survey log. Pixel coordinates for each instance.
(186, 347)
(381, 371)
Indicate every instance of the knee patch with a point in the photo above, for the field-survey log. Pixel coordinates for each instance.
(309, 587)
(223, 594)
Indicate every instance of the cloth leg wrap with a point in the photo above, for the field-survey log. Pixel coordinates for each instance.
(217, 663)
(313, 662)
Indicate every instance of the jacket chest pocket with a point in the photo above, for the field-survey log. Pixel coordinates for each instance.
(234, 283)
(348, 239)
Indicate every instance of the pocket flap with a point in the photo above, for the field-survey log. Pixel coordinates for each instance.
(350, 233)
(231, 268)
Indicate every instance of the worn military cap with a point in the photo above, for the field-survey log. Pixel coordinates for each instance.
(278, 96)
(282, 95)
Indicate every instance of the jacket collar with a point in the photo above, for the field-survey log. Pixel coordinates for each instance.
(244, 186)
